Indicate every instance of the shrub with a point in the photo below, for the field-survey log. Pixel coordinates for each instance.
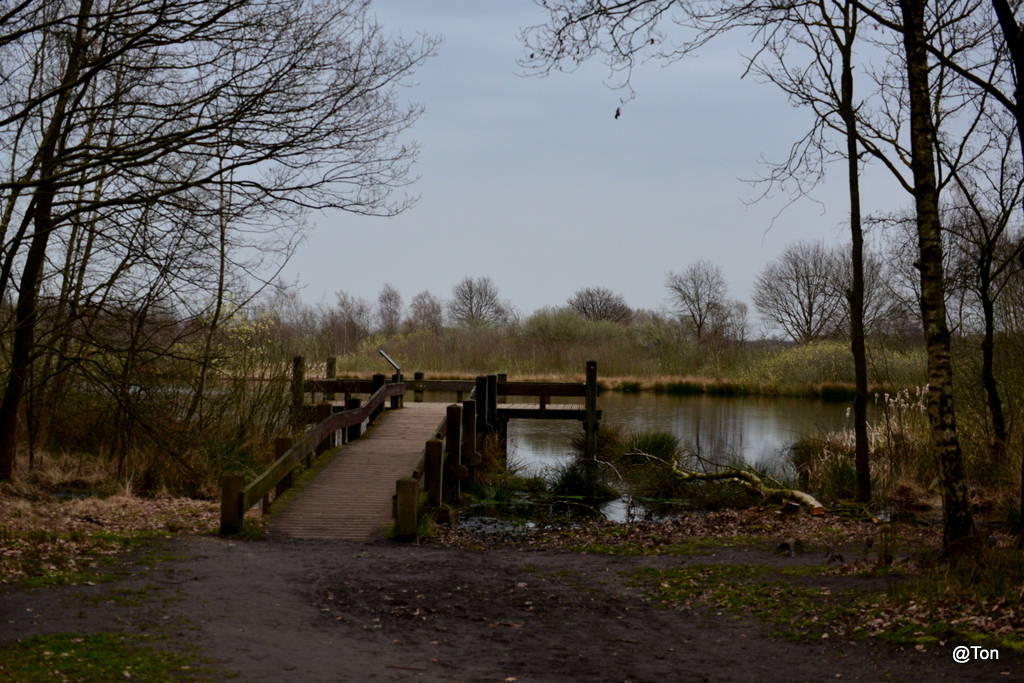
(662, 446)
(584, 480)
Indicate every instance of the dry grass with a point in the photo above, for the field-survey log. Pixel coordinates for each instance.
(49, 541)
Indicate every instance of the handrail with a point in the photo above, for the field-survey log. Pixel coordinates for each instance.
(447, 458)
(442, 466)
(504, 388)
(236, 498)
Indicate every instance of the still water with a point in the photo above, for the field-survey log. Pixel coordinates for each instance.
(757, 429)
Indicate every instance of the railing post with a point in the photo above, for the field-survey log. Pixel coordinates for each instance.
(332, 373)
(281, 446)
(356, 430)
(433, 471)
(590, 425)
(481, 405)
(453, 450)
(298, 391)
(492, 403)
(378, 382)
(406, 512)
(323, 411)
(231, 511)
(502, 377)
(470, 458)
(396, 401)
(417, 394)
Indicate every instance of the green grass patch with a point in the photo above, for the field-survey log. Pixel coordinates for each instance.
(781, 598)
(671, 549)
(97, 657)
(952, 603)
(43, 558)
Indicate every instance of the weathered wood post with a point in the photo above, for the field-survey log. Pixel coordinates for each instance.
(470, 456)
(356, 430)
(453, 450)
(434, 472)
(492, 402)
(231, 511)
(590, 424)
(502, 377)
(282, 446)
(298, 391)
(406, 512)
(481, 406)
(332, 373)
(323, 411)
(417, 394)
(396, 401)
(379, 381)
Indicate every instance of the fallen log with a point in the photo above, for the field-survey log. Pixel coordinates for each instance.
(745, 478)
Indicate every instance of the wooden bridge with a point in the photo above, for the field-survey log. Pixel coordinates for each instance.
(411, 457)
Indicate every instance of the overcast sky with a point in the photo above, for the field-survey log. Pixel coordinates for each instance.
(533, 182)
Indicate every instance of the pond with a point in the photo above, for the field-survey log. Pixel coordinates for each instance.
(756, 429)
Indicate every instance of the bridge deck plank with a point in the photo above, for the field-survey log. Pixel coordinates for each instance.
(350, 498)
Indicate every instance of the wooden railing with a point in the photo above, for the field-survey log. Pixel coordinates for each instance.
(237, 496)
(447, 459)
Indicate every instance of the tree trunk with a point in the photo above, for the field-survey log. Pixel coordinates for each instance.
(958, 521)
(25, 315)
(856, 293)
(25, 312)
(997, 448)
(1014, 37)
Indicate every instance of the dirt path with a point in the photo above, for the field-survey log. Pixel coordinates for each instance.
(317, 611)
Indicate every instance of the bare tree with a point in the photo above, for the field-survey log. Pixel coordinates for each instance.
(599, 303)
(980, 225)
(877, 297)
(731, 322)
(475, 302)
(426, 312)
(351, 321)
(798, 292)
(959, 521)
(389, 310)
(291, 106)
(698, 294)
(916, 102)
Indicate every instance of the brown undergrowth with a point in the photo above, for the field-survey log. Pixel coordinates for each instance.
(756, 525)
(44, 540)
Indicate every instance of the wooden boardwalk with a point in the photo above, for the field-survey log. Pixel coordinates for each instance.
(350, 497)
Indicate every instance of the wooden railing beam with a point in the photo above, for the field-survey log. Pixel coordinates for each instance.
(278, 475)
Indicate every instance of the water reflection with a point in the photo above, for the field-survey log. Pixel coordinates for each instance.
(756, 429)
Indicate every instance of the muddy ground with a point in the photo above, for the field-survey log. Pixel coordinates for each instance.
(277, 610)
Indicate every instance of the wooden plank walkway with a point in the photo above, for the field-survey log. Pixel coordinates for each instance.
(350, 498)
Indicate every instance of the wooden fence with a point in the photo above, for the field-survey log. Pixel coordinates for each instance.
(237, 496)
(447, 459)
